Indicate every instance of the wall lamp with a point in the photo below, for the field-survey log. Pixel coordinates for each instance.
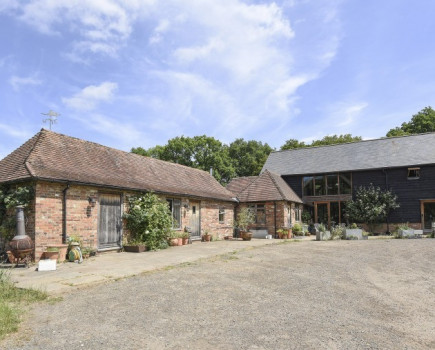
(92, 201)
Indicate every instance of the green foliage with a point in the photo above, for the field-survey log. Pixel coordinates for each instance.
(244, 218)
(248, 157)
(322, 228)
(353, 226)
(423, 121)
(306, 217)
(325, 141)
(296, 228)
(371, 206)
(149, 221)
(11, 197)
(338, 232)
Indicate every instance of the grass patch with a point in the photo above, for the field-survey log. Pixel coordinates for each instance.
(12, 302)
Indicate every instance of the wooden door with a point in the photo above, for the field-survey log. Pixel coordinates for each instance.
(110, 222)
(195, 220)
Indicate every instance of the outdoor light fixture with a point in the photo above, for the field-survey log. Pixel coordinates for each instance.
(92, 201)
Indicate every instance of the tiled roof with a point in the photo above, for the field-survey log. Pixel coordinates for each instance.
(52, 156)
(363, 155)
(266, 187)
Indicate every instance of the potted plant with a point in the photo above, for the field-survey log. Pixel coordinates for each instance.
(322, 234)
(353, 231)
(206, 236)
(244, 218)
(51, 253)
(173, 239)
(185, 237)
(405, 231)
(283, 233)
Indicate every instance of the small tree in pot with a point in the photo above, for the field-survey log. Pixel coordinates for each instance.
(245, 218)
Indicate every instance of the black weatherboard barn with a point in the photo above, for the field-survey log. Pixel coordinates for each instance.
(327, 177)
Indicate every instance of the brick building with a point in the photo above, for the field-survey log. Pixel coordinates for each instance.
(81, 188)
(274, 203)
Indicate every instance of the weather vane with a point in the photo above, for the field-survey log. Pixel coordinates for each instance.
(52, 117)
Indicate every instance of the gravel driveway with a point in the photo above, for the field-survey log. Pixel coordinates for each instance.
(376, 294)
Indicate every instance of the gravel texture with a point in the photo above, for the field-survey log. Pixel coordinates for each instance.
(376, 294)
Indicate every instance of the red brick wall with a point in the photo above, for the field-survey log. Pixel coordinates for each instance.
(82, 219)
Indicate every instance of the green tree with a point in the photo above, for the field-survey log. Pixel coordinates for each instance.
(248, 157)
(325, 141)
(423, 121)
(371, 206)
(201, 152)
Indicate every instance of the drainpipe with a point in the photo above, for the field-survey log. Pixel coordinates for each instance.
(274, 217)
(65, 190)
(386, 187)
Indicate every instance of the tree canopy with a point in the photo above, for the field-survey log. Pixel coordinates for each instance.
(327, 140)
(423, 121)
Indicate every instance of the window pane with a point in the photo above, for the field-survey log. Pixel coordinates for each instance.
(332, 185)
(345, 184)
(177, 213)
(344, 219)
(334, 211)
(308, 186)
(260, 214)
(320, 185)
(221, 215)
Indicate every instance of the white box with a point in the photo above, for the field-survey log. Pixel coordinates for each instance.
(47, 265)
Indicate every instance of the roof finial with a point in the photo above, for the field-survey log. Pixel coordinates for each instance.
(52, 115)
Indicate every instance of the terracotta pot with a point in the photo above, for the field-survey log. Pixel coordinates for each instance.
(185, 241)
(173, 242)
(63, 248)
(11, 257)
(51, 255)
(206, 238)
(246, 236)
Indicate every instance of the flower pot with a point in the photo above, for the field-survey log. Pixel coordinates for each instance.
(62, 248)
(136, 248)
(180, 241)
(173, 242)
(51, 255)
(246, 236)
(185, 241)
(206, 238)
(11, 257)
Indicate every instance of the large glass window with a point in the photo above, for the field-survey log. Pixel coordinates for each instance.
(320, 185)
(308, 186)
(345, 183)
(332, 184)
(175, 209)
(334, 210)
(259, 212)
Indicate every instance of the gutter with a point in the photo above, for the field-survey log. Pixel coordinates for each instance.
(64, 213)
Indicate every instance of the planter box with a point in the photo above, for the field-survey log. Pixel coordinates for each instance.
(63, 248)
(353, 233)
(323, 236)
(406, 233)
(140, 248)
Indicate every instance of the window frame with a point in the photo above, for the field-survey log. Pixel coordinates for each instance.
(221, 212)
(260, 207)
(175, 208)
(417, 173)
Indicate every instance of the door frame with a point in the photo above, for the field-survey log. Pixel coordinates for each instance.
(316, 217)
(199, 218)
(121, 233)
(422, 202)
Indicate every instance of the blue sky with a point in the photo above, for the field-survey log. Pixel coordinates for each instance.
(139, 72)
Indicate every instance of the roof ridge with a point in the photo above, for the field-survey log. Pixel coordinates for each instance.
(252, 181)
(276, 185)
(353, 142)
(119, 150)
(26, 163)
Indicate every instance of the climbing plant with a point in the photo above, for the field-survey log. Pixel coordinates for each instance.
(148, 220)
(10, 197)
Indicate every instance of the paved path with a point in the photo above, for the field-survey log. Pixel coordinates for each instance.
(112, 266)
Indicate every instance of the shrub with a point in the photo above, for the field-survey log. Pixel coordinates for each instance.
(244, 218)
(148, 220)
(337, 232)
(297, 229)
(306, 217)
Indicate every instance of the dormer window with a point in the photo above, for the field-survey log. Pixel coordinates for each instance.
(413, 173)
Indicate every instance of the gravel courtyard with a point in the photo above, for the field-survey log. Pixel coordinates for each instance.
(376, 294)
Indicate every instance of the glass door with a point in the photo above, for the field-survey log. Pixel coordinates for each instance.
(429, 215)
(322, 213)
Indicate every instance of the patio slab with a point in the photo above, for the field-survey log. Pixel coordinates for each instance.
(112, 266)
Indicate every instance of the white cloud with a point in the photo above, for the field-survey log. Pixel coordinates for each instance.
(14, 131)
(17, 82)
(90, 96)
